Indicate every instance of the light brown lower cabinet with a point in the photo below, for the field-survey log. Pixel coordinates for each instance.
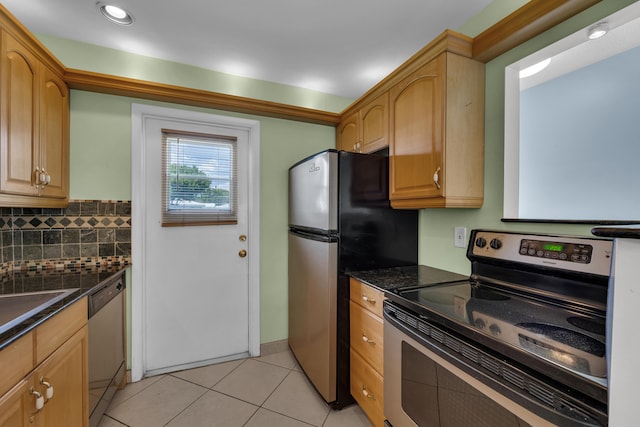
(15, 406)
(55, 392)
(367, 349)
(367, 387)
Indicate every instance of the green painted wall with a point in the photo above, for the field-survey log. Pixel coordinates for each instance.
(100, 151)
(436, 225)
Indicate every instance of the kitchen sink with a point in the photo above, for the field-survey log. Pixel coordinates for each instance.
(15, 308)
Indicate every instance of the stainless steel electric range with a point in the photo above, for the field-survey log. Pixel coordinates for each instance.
(520, 342)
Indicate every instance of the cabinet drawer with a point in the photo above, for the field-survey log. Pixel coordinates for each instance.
(366, 296)
(367, 336)
(367, 389)
(55, 331)
(16, 361)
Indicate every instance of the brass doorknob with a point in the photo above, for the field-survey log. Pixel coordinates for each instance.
(242, 253)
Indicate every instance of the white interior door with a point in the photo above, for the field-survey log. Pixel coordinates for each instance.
(198, 291)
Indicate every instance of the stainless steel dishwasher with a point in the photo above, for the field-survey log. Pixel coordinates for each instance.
(106, 345)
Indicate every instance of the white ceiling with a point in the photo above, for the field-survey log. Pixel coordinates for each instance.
(341, 47)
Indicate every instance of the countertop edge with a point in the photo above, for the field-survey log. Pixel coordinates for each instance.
(54, 309)
(366, 282)
(625, 232)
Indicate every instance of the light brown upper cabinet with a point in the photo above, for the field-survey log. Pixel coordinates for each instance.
(34, 129)
(347, 133)
(430, 113)
(366, 130)
(436, 128)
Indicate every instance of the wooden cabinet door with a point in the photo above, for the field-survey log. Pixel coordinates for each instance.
(66, 370)
(347, 134)
(366, 130)
(54, 135)
(374, 119)
(18, 117)
(16, 406)
(416, 131)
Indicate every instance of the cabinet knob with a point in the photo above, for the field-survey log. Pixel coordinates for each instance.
(368, 299)
(436, 178)
(45, 178)
(49, 390)
(367, 339)
(41, 177)
(242, 253)
(366, 393)
(39, 399)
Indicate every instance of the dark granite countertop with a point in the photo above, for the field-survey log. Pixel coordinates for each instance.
(395, 278)
(617, 231)
(85, 280)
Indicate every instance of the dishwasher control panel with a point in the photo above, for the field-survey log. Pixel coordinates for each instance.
(108, 291)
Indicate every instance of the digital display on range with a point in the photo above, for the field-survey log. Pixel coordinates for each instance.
(557, 250)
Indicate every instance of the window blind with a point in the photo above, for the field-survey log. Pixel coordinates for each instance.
(199, 179)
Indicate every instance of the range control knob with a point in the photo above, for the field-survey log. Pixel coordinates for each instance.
(495, 244)
(481, 242)
(495, 330)
(480, 324)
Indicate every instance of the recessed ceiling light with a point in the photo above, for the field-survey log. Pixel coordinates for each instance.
(535, 68)
(598, 30)
(115, 13)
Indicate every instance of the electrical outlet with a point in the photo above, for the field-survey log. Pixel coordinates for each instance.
(460, 237)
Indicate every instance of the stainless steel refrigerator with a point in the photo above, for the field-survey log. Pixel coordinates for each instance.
(340, 220)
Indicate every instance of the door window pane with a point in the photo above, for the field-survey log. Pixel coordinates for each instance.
(199, 179)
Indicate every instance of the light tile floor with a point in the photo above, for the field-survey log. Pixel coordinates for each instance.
(255, 392)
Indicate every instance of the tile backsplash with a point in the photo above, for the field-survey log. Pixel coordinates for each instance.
(86, 232)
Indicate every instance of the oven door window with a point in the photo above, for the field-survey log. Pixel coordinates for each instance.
(433, 396)
(419, 387)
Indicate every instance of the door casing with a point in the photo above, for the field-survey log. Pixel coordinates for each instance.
(139, 113)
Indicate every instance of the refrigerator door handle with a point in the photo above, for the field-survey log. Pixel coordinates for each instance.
(320, 237)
